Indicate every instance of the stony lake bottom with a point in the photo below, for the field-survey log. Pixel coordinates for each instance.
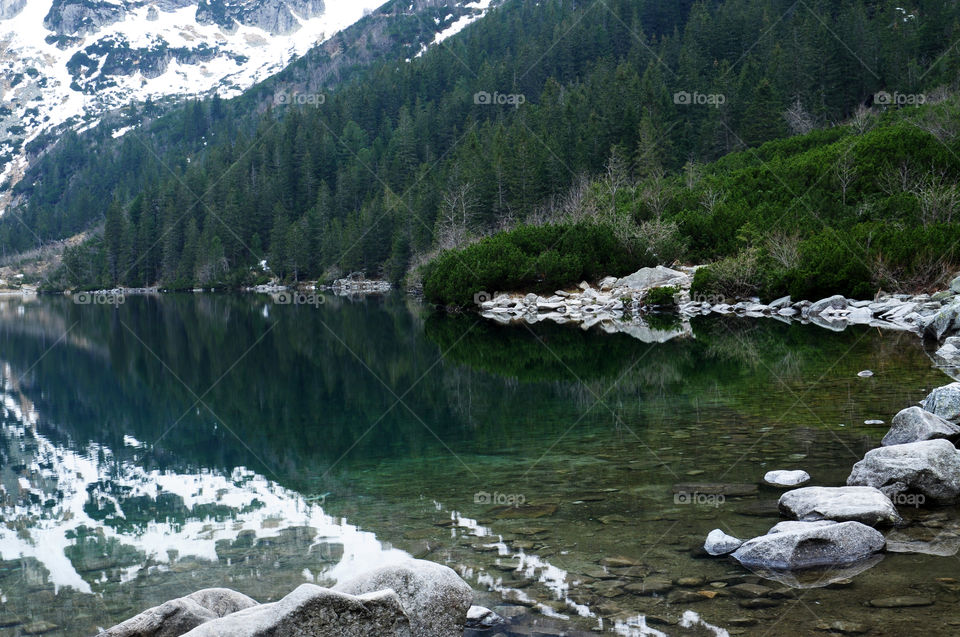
(177, 442)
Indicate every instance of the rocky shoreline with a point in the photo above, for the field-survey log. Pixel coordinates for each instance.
(416, 598)
(832, 531)
(619, 305)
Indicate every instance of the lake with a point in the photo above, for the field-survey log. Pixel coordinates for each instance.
(176, 442)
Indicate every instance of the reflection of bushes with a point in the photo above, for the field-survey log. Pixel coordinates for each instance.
(92, 553)
(664, 321)
(548, 352)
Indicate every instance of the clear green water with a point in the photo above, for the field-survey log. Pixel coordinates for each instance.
(179, 442)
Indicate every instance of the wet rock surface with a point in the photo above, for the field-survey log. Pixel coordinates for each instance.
(817, 546)
(840, 504)
(930, 469)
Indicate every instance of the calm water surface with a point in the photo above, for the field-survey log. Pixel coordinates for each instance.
(179, 442)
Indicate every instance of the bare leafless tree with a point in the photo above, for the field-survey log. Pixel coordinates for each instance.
(616, 177)
(901, 178)
(798, 119)
(710, 199)
(862, 119)
(784, 248)
(457, 215)
(939, 198)
(655, 194)
(846, 173)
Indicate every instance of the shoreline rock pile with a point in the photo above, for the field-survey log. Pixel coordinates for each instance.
(917, 464)
(416, 598)
(621, 301)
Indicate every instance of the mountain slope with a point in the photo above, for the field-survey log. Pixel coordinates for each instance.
(67, 62)
(416, 152)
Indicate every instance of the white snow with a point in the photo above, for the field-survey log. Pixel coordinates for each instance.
(23, 46)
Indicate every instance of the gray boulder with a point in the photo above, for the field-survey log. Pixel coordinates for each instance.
(179, 616)
(434, 596)
(914, 424)
(836, 302)
(939, 323)
(840, 504)
(955, 285)
(784, 478)
(816, 546)
(944, 402)
(652, 277)
(719, 543)
(170, 619)
(930, 468)
(790, 526)
(312, 611)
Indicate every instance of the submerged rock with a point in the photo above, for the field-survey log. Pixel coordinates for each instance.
(784, 478)
(859, 504)
(930, 468)
(944, 402)
(318, 612)
(925, 541)
(719, 543)
(482, 618)
(816, 546)
(434, 596)
(914, 424)
(904, 601)
(819, 577)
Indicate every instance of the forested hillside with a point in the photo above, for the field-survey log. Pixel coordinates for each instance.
(412, 156)
(866, 206)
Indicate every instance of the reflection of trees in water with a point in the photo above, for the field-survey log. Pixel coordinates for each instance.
(304, 394)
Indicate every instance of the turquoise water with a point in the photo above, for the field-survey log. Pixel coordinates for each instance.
(177, 442)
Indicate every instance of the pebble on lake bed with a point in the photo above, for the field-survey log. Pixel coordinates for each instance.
(865, 374)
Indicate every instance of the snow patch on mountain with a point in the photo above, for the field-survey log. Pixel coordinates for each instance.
(63, 61)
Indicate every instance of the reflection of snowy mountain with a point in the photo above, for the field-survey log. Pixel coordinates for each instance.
(87, 518)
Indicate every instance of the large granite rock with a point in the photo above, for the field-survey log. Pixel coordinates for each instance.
(914, 424)
(816, 546)
(930, 468)
(652, 277)
(179, 616)
(841, 504)
(944, 402)
(312, 611)
(434, 596)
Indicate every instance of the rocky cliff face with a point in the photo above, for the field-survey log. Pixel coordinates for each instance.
(80, 17)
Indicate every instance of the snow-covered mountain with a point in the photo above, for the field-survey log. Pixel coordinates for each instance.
(69, 60)
(66, 62)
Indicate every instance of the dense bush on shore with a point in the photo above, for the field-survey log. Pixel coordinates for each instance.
(536, 258)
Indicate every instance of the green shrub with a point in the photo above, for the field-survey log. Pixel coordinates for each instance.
(529, 258)
(662, 296)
